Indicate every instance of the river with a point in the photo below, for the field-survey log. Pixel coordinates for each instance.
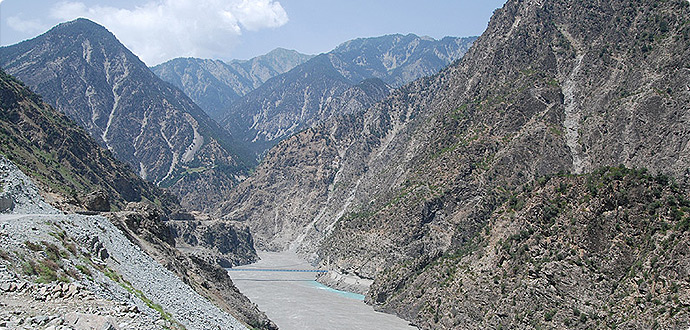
(295, 301)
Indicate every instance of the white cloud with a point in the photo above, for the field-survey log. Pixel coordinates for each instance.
(32, 26)
(255, 15)
(162, 29)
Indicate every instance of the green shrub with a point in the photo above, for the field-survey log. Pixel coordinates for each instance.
(47, 271)
(29, 268)
(84, 270)
(54, 252)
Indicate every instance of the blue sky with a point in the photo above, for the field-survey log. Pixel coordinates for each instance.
(158, 30)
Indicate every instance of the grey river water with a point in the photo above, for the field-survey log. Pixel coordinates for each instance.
(294, 300)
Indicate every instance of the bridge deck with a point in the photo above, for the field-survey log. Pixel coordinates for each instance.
(277, 270)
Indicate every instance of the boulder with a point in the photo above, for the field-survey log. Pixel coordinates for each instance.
(97, 201)
(6, 203)
(89, 321)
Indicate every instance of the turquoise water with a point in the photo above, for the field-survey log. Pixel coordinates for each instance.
(345, 294)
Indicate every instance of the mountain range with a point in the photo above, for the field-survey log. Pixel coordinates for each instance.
(81, 69)
(302, 96)
(540, 181)
(214, 85)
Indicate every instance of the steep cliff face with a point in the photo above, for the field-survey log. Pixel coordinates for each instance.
(299, 98)
(552, 86)
(217, 242)
(214, 85)
(607, 249)
(83, 70)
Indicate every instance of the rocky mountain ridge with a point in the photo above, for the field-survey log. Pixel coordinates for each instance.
(300, 98)
(214, 85)
(551, 86)
(397, 59)
(144, 121)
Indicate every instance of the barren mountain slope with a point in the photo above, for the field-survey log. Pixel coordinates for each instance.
(551, 86)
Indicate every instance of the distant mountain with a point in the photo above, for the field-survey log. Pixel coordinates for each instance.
(61, 157)
(84, 71)
(214, 84)
(397, 59)
(296, 99)
(508, 190)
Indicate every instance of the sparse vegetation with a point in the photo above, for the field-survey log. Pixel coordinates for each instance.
(84, 270)
(128, 286)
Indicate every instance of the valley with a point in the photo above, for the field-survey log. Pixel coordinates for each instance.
(295, 300)
(536, 176)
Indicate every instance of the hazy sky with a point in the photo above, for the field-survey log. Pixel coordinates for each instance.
(158, 30)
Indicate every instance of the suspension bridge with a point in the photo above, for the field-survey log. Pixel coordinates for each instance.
(276, 270)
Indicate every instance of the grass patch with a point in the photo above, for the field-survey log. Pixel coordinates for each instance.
(196, 170)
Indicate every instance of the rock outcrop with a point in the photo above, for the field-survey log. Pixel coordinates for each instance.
(97, 201)
(218, 242)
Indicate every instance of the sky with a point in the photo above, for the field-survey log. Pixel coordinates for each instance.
(159, 30)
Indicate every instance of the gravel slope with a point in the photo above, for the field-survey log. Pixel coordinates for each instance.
(120, 271)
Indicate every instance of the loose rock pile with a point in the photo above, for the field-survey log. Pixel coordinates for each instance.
(63, 306)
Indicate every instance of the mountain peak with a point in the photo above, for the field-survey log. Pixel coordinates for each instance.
(281, 51)
(80, 26)
(144, 121)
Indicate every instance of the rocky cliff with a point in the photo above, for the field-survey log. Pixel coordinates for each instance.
(214, 85)
(606, 249)
(217, 242)
(550, 87)
(84, 71)
(300, 98)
